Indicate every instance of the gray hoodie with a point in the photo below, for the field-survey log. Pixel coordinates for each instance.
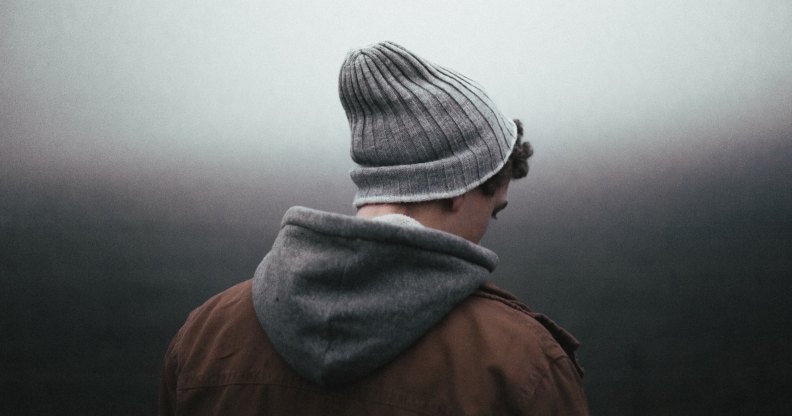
(340, 296)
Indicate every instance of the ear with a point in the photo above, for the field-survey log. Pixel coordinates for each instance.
(455, 203)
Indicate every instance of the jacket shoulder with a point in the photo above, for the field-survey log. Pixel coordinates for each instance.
(228, 298)
(498, 351)
(216, 329)
(560, 336)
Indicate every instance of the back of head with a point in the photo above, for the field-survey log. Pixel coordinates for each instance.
(420, 132)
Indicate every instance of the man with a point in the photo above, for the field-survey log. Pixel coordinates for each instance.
(387, 312)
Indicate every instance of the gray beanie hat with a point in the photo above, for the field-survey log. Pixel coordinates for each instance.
(419, 131)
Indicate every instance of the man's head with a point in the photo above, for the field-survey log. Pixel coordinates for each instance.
(488, 199)
(426, 136)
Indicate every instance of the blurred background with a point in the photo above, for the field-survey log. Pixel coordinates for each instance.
(149, 149)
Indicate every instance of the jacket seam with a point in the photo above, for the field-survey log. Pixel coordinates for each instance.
(545, 376)
(504, 301)
(300, 387)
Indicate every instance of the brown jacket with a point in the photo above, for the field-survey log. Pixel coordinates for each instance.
(489, 356)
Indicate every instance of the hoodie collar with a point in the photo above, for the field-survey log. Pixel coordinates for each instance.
(340, 296)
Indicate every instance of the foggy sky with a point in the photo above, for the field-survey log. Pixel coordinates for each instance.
(175, 88)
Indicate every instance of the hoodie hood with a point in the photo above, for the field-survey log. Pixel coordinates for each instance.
(340, 296)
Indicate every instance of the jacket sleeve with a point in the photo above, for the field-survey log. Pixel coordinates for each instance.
(167, 397)
(560, 392)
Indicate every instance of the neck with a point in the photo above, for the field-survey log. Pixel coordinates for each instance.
(430, 213)
(378, 210)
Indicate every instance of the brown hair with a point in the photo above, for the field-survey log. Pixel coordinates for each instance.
(516, 166)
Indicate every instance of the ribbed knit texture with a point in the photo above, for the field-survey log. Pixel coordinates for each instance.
(419, 131)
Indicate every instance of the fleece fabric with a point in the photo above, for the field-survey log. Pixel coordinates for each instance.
(340, 296)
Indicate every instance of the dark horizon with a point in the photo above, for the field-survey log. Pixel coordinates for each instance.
(673, 279)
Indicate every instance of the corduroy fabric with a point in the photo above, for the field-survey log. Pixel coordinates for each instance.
(419, 131)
